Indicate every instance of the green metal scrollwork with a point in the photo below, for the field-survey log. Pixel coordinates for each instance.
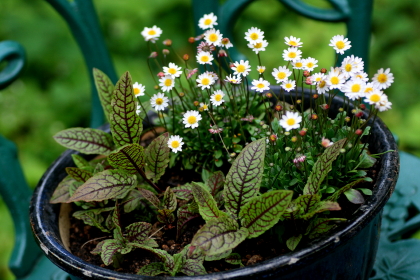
(14, 55)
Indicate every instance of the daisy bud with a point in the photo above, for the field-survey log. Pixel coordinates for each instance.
(191, 40)
(232, 155)
(201, 109)
(342, 151)
(315, 96)
(225, 41)
(278, 108)
(294, 139)
(306, 73)
(314, 116)
(271, 164)
(287, 149)
(299, 101)
(181, 94)
(358, 131)
(347, 119)
(359, 114)
(323, 70)
(341, 109)
(264, 126)
(156, 87)
(326, 142)
(287, 133)
(302, 132)
(308, 81)
(165, 51)
(153, 55)
(185, 57)
(160, 74)
(324, 106)
(362, 106)
(167, 42)
(272, 138)
(268, 95)
(231, 65)
(222, 53)
(196, 103)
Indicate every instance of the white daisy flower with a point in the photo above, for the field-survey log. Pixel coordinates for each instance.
(254, 35)
(354, 88)
(258, 47)
(369, 87)
(292, 54)
(322, 86)
(166, 83)
(384, 104)
(241, 68)
(383, 79)
(260, 85)
(288, 85)
(318, 77)
(217, 97)
(351, 65)
(173, 70)
(159, 101)
(138, 89)
(309, 63)
(374, 97)
(207, 21)
(291, 120)
(204, 106)
(293, 42)
(297, 64)
(205, 80)
(151, 34)
(175, 143)
(213, 36)
(191, 119)
(204, 57)
(340, 44)
(335, 79)
(138, 111)
(226, 43)
(233, 79)
(362, 75)
(261, 69)
(281, 74)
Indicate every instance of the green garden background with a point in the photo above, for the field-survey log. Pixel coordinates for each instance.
(54, 93)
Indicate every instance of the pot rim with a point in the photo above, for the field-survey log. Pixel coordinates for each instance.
(52, 246)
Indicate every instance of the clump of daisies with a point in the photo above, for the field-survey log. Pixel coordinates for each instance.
(213, 105)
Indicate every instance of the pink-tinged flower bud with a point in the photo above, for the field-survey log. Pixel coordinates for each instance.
(165, 51)
(302, 132)
(362, 106)
(359, 114)
(323, 70)
(196, 103)
(161, 74)
(326, 142)
(294, 139)
(191, 40)
(222, 53)
(268, 95)
(153, 55)
(278, 108)
(272, 138)
(225, 41)
(359, 131)
(167, 42)
(231, 65)
(308, 81)
(324, 106)
(306, 73)
(185, 57)
(315, 96)
(314, 116)
(347, 119)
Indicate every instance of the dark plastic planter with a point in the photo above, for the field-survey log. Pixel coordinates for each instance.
(347, 253)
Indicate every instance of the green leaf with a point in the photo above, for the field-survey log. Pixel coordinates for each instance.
(307, 202)
(93, 217)
(126, 125)
(169, 200)
(157, 157)
(207, 205)
(354, 196)
(129, 158)
(98, 248)
(138, 232)
(152, 269)
(78, 174)
(105, 88)
(366, 161)
(85, 140)
(192, 267)
(218, 236)
(132, 200)
(107, 184)
(166, 216)
(321, 207)
(244, 177)
(263, 212)
(347, 187)
(234, 259)
(118, 235)
(62, 192)
(184, 215)
(109, 248)
(183, 192)
(218, 256)
(150, 196)
(215, 182)
(81, 162)
(365, 191)
(322, 166)
(293, 241)
(319, 226)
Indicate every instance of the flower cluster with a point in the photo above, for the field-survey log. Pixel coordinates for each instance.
(217, 91)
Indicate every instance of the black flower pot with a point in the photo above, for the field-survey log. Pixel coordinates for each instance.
(347, 253)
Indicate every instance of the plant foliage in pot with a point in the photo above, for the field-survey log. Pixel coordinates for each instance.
(293, 165)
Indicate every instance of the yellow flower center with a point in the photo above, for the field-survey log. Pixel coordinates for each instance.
(322, 84)
(174, 144)
(281, 75)
(340, 45)
(172, 71)
(207, 22)
(136, 91)
(289, 85)
(213, 37)
(369, 89)
(218, 97)
(335, 80)
(258, 45)
(382, 78)
(298, 64)
(291, 122)
(168, 82)
(253, 36)
(375, 98)
(240, 68)
(192, 119)
(348, 67)
(205, 107)
(260, 85)
(310, 65)
(291, 55)
(355, 88)
(159, 101)
(204, 58)
(293, 43)
(205, 81)
(152, 32)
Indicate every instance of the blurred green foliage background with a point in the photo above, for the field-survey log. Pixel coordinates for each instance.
(53, 92)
